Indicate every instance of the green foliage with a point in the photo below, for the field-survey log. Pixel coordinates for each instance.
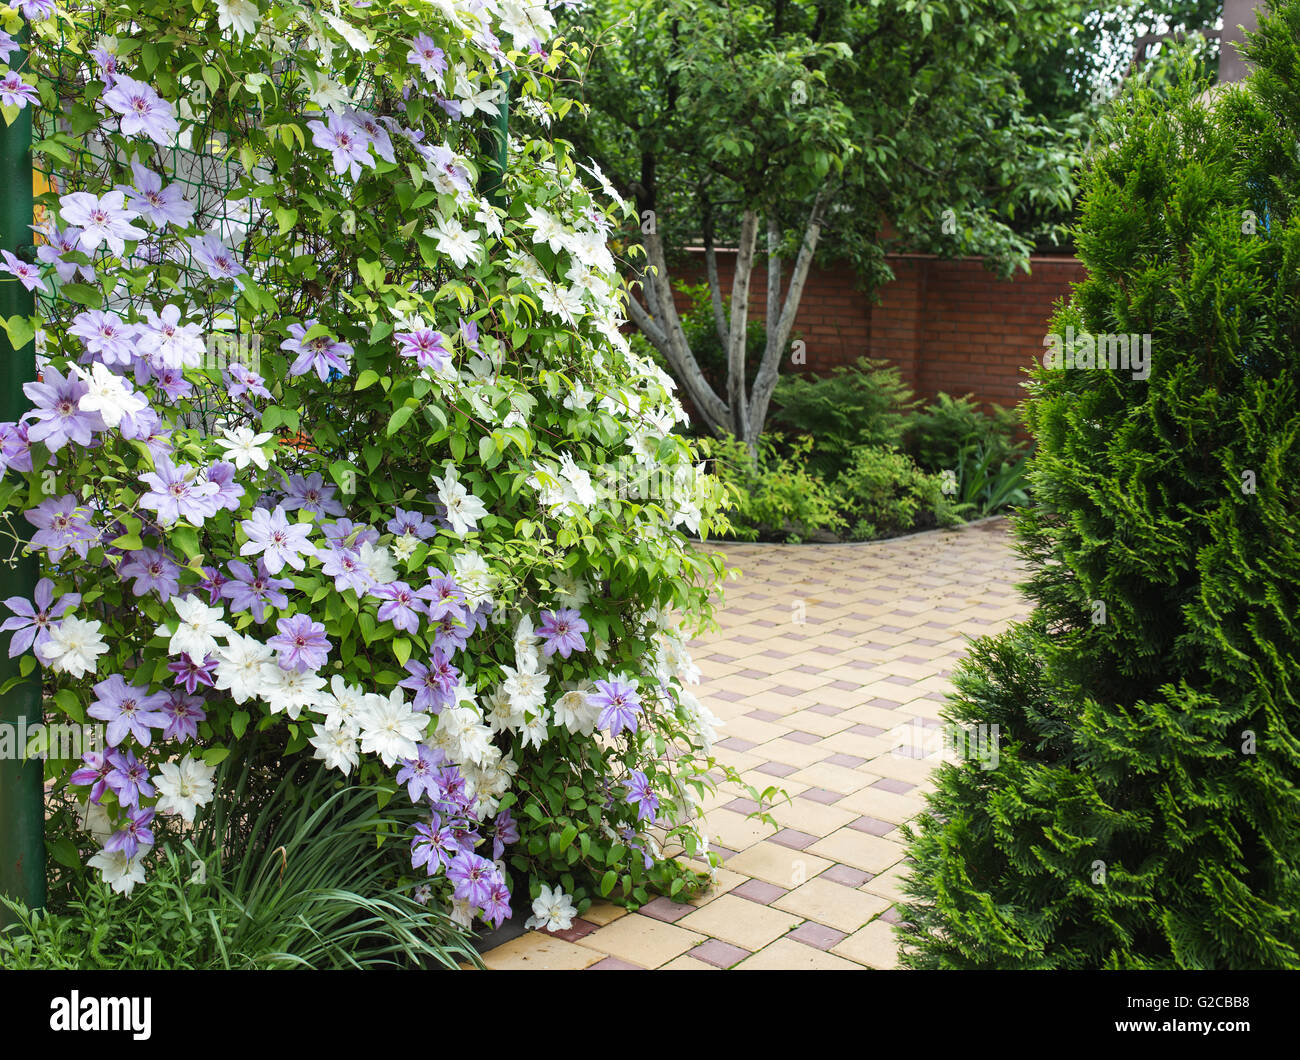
(984, 487)
(779, 494)
(883, 494)
(938, 433)
(863, 404)
(308, 880)
(1144, 809)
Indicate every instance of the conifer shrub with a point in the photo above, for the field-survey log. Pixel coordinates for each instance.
(1144, 811)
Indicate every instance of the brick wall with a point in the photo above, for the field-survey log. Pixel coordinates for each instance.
(950, 325)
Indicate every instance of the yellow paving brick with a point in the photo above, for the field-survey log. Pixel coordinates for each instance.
(602, 913)
(858, 849)
(788, 954)
(888, 884)
(790, 753)
(535, 949)
(822, 725)
(883, 805)
(815, 818)
(779, 865)
(875, 945)
(836, 778)
(832, 904)
(642, 940)
(734, 830)
(741, 922)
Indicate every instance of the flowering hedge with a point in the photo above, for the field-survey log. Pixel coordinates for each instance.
(326, 442)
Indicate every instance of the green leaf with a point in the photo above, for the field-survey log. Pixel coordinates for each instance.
(367, 378)
(398, 418)
(607, 883)
(239, 723)
(20, 329)
(216, 755)
(402, 650)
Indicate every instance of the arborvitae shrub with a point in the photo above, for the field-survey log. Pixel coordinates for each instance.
(1145, 808)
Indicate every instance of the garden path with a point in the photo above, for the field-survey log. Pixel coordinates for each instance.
(829, 671)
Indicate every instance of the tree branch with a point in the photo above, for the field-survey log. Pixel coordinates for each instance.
(739, 326)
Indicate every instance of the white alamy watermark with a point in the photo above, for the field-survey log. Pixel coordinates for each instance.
(62, 740)
(77, 1013)
(1122, 353)
(976, 742)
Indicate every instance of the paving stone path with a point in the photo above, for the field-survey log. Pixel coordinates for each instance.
(829, 672)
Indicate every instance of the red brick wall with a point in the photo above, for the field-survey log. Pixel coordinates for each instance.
(950, 325)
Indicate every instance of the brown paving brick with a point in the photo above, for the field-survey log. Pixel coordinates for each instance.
(822, 937)
(846, 875)
(758, 891)
(718, 954)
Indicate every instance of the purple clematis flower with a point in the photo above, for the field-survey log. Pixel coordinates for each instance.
(15, 447)
(426, 347)
(562, 631)
(105, 335)
(344, 533)
(158, 205)
(348, 145)
(142, 110)
(152, 570)
(431, 59)
(344, 566)
(442, 596)
(403, 607)
(215, 258)
(242, 381)
(15, 92)
(619, 705)
(640, 796)
(184, 712)
(102, 219)
(128, 778)
(312, 495)
(319, 354)
(280, 542)
(474, 877)
(506, 832)
(434, 845)
(227, 491)
(433, 684)
(60, 241)
(29, 275)
(412, 523)
(451, 634)
(496, 910)
(31, 619)
(134, 834)
(302, 644)
(191, 674)
(176, 491)
(61, 524)
(128, 709)
(57, 418)
(247, 591)
(94, 771)
(420, 774)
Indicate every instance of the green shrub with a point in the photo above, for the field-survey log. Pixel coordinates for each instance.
(939, 433)
(984, 488)
(865, 404)
(779, 496)
(1144, 811)
(883, 493)
(303, 882)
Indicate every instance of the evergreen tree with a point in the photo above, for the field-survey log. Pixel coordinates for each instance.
(1145, 808)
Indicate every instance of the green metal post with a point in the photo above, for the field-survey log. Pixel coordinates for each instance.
(22, 804)
(492, 141)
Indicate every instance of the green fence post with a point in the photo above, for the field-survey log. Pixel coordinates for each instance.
(22, 804)
(492, 141)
